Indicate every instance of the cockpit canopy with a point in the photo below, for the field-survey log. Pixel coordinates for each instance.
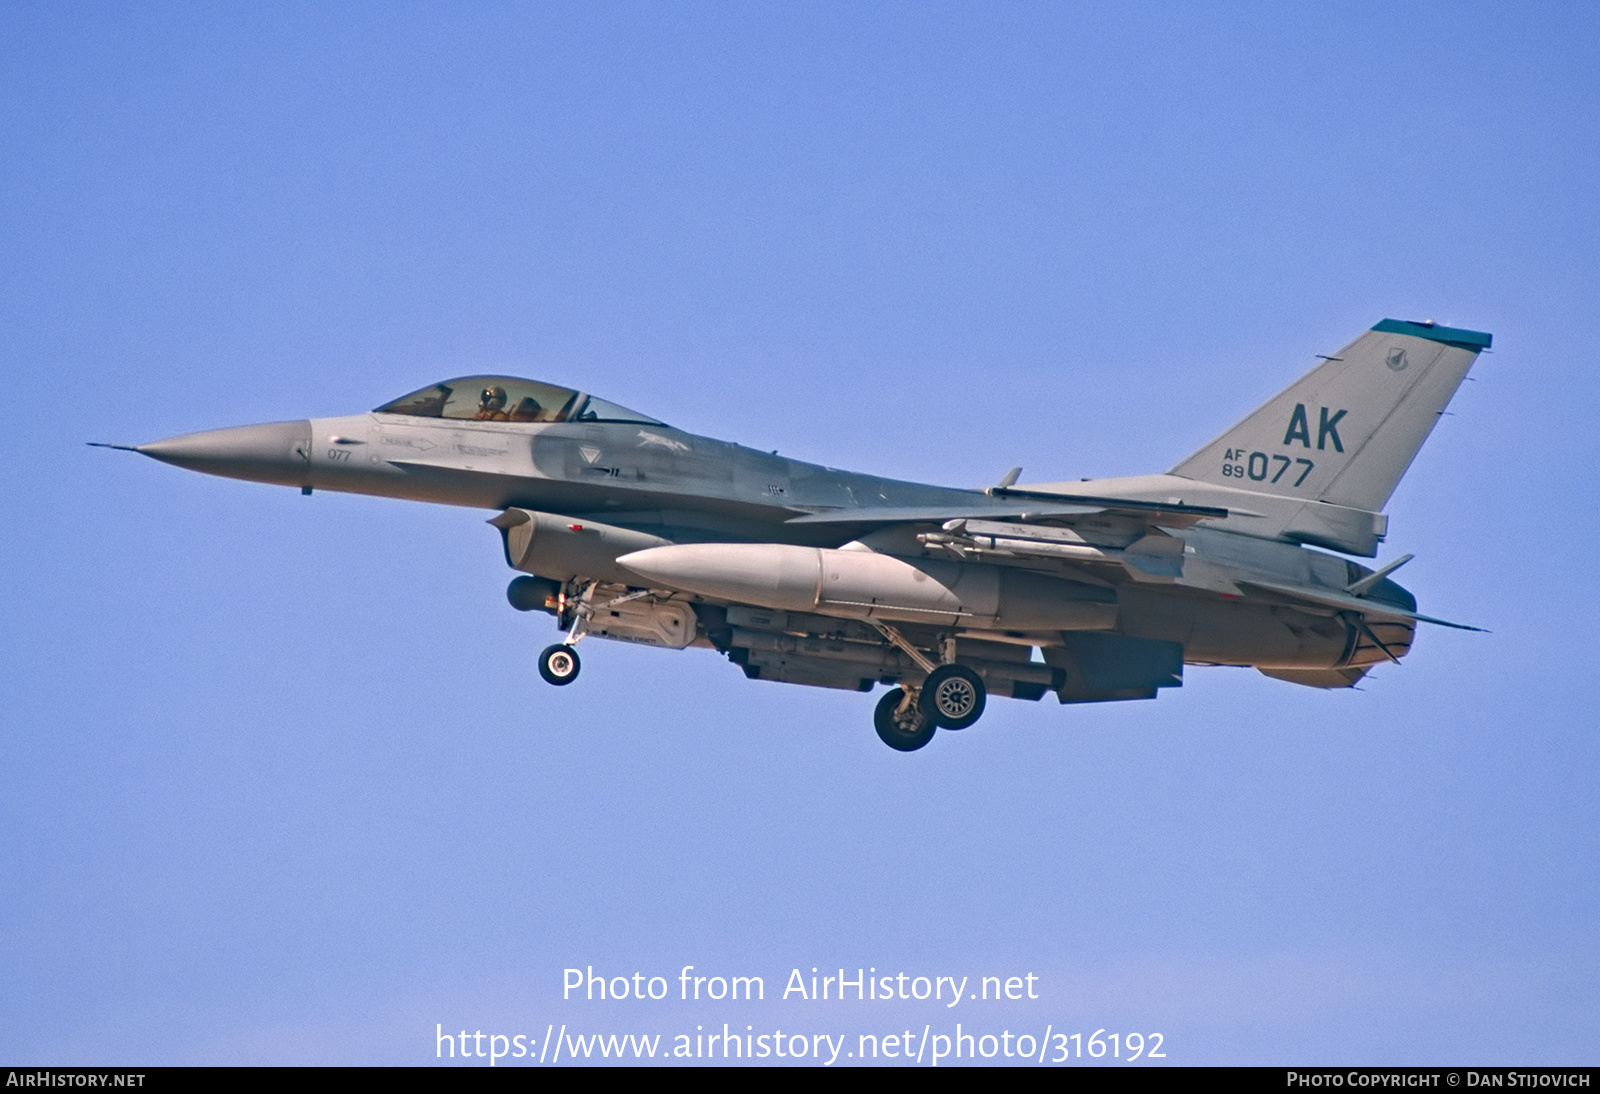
(508, 399)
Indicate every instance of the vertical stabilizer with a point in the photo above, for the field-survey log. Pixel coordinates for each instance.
(1346, 431)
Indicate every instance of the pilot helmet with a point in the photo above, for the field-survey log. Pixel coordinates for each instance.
(493, 398)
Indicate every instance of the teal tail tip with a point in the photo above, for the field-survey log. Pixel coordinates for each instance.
(1473, 340)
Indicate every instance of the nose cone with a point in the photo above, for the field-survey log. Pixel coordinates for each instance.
(277, 453)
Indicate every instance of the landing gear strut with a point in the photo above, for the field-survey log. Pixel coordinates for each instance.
(900, 722)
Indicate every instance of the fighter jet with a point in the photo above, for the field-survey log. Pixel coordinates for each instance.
(624, 527)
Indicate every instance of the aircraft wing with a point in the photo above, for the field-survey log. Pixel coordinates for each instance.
(1023, 505)
(938, 514)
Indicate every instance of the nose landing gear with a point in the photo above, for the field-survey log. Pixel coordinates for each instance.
(559, 664)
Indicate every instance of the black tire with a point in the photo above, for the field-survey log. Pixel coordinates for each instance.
(952, 697)
(559, 665)
(903, 734)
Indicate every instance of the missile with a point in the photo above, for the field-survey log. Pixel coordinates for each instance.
(855, 582)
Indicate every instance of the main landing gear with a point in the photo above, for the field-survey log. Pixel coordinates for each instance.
(900, 722)
(952, 697)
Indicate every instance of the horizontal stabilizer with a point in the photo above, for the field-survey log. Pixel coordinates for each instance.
(1331, 598)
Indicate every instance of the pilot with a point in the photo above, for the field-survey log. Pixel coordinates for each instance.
(492, 404)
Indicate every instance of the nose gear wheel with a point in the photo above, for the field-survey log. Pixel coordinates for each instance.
(559, 664)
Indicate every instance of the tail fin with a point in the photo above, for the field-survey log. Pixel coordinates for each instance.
(1346, 431)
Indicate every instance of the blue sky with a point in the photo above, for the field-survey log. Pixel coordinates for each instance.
(281, 783)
